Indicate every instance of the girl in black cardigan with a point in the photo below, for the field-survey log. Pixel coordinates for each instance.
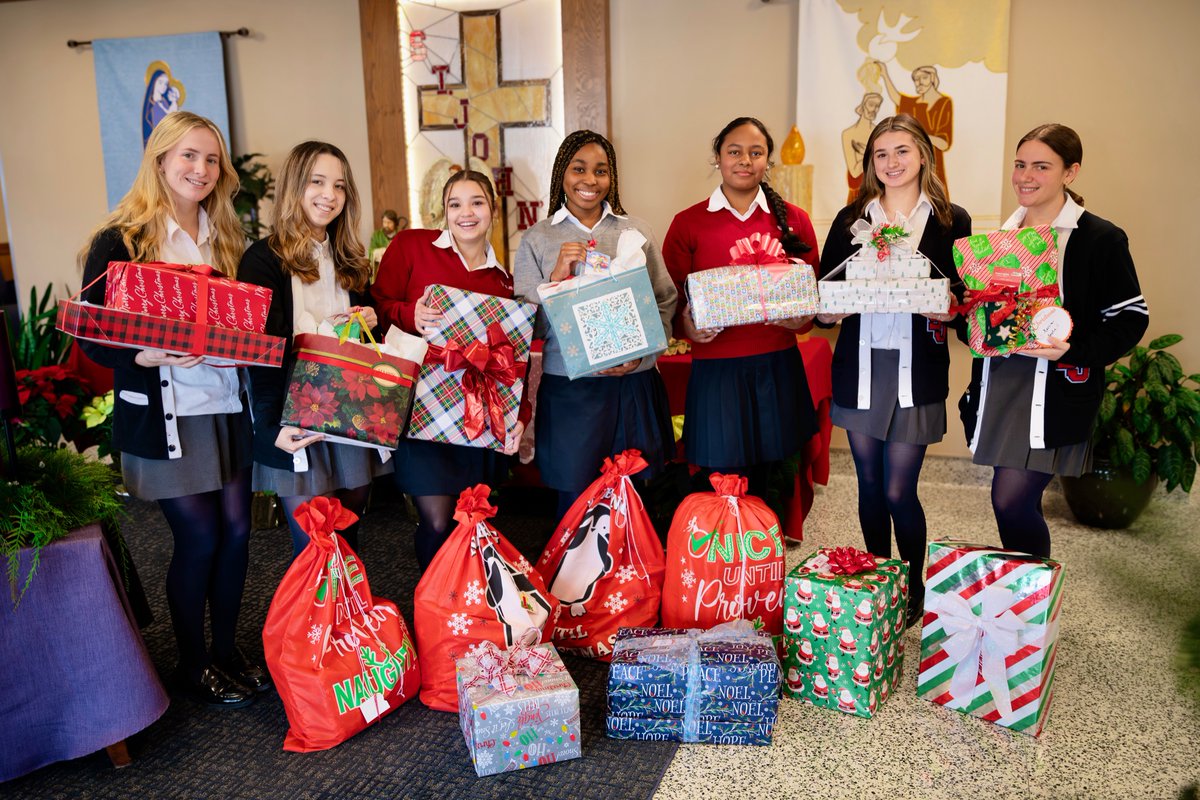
(890, 370)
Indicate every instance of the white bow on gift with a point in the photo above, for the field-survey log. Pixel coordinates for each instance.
(979, 643)
(863, 233)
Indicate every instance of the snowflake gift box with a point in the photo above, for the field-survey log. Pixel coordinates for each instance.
(517, 708)
(1009, 276)
(719, 686)
(606, 317)
(843, 623)
(990, 633)
(883, 276)
(470, 387)
(760, 285)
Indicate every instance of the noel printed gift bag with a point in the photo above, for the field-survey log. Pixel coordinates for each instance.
(990, 633)
(762, 285)
(604, 562)
(340, 657)
(478, 588)
(843, 623)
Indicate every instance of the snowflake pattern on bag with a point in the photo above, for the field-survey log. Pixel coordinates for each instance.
(459, 624)
(610, 326)
(474, 593)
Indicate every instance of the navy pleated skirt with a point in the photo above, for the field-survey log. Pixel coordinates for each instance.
(581, 422)
(435, 468)
(747, 410)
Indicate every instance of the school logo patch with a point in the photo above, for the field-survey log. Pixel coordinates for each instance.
(936, 329)
(1075, 374)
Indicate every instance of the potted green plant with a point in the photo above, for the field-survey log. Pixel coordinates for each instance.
(1148, 429)
(256, 184)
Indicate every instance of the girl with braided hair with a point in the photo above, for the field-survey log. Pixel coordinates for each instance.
(581, 422)
(748, 404)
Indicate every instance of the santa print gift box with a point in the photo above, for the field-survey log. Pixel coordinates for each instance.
(187, 292)
(517, 708)
(884, 276)
(760, 285)
(990, 633)
(719, 686)
(843, 621)
(469, 390)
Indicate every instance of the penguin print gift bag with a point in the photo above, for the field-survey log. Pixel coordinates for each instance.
(478, 588)
(724, 560)
(604, 563)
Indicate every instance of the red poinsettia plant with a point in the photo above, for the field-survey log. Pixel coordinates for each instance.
(52, 400)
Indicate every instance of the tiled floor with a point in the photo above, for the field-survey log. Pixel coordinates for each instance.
(1121, 726)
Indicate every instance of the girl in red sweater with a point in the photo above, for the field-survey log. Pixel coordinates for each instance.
(748, 403)
(434, 473)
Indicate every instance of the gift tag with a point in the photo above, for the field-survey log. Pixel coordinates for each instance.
(373, 706)
(1051, 321)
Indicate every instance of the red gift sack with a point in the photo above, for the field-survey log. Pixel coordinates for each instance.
(341, 658)
(724, 560)
(478, 588)
(604, 563)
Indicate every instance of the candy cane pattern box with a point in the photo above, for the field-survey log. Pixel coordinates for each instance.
(990, 633)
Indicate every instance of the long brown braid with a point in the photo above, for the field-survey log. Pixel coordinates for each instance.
(566, 151)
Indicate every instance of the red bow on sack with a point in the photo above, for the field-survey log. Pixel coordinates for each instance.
(623, 464)
(485, 364)
(499, 669)
(473, 506)
(321, 516)
(729, 485)
(1006, 296)
(849, 561)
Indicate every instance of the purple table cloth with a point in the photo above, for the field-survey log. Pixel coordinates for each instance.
(75, 673)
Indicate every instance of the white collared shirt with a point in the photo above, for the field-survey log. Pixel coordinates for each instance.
(202, 389)
(446, 242)
(717, 201)
(564, 213)
(886, 328)
(313, 303)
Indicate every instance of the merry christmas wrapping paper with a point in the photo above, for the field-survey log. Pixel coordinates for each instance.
(990, 633)
(188, 292)
(843, 631)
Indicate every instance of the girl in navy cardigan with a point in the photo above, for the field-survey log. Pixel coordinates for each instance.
(890, 370)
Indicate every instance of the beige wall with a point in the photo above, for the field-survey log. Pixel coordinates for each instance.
(298, 76)
(682, 68)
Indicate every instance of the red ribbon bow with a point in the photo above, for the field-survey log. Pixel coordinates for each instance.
(757, 249)
(499, 669)
(624, 464)
(1006, 296)
(473, 506)
(729, 485)
(486, 364)
(321, 516)
(849, 561)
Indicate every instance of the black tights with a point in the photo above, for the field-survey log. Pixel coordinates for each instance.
(1017, 501)
(887, 494)
(208, 564)
(435, 515)
(352, 499)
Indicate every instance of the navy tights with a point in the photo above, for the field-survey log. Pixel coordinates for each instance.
(208, 565)
(352, 499)
(887, 495)
(1017, 501)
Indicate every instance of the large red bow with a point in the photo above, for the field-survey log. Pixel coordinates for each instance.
(499, 669)
(473, 506)
(849, 561)
(729, 485)
(486, 364)
(757, 249)
(623, 464)
(321, 516)
(1006, 296)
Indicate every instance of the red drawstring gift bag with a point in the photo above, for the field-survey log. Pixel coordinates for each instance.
(724, 560)
(604, 563)
(341, 658)
(478, 588)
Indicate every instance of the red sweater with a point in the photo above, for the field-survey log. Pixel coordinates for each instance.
(700, 239)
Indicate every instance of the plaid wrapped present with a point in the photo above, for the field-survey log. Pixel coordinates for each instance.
(223, 346)
(1009, 276)
(188, 292)
(470, 387)
(761, 285)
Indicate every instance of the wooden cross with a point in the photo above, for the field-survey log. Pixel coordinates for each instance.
(483, 105)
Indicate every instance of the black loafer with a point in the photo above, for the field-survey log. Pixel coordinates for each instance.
(214, 688)
(915, 612)
(246, 672)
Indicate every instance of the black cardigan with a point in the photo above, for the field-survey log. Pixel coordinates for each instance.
(1100, 290)
(930, 355)
(268, 385)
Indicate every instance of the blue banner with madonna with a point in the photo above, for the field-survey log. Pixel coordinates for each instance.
(141, 80)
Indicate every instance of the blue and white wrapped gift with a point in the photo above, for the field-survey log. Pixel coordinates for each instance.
(606, 316)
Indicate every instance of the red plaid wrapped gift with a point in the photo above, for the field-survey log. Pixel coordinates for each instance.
(469, 390)
(188, 292)
(117, 328)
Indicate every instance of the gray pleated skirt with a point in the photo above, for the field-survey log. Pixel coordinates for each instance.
(331, 466)
(1003, 439)
(885, 419)
(215, 448)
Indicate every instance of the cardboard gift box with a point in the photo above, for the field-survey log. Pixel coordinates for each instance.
(1009, 275)
(221, 346)
(887, 296)
(188, 292)
(470, 387)
(843, 621)
(990, 633)
(719, 686)
(353, 393)
(761, 285)
(517, 708)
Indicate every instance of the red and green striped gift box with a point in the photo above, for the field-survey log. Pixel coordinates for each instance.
(990, 633)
